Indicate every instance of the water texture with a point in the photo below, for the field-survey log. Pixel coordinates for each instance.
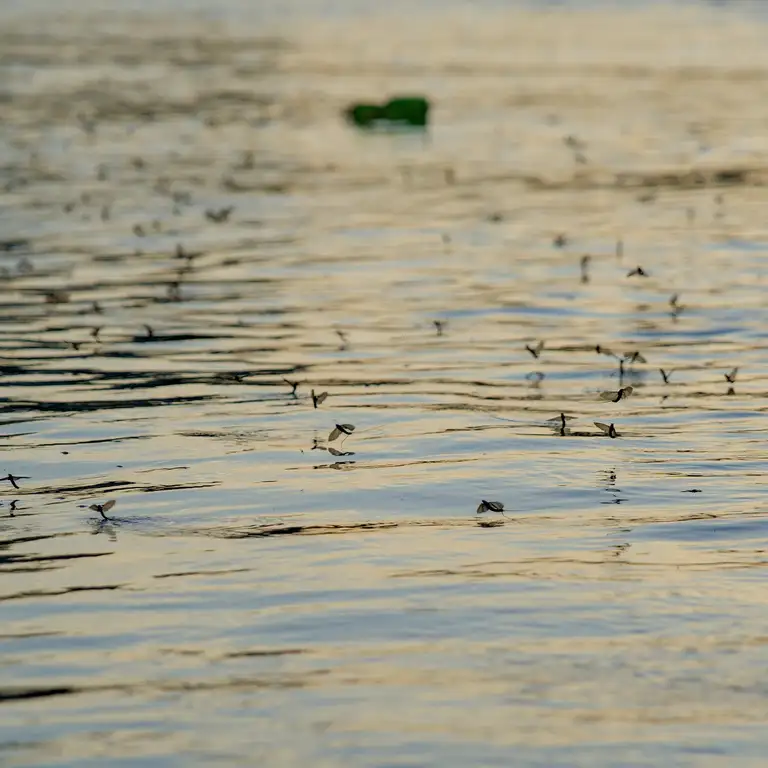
(192, 240)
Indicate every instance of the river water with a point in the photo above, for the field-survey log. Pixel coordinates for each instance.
(258, 599)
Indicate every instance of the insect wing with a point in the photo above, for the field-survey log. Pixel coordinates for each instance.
(603, 427)
(96, 507)
(334, 434)
(494, 506)
(614, 397)
(347, 429)
(108, 505)
(482, 508)
(319, 399)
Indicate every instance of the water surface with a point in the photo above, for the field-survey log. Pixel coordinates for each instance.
(258, 599)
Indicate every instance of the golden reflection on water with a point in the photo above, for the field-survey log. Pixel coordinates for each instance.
(259, 598)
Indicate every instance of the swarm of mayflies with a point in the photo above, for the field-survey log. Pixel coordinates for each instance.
(535, 351)
(340, 429)
(614, 397)
(102, 508)
(318, 399)
(637, 272)
(607, 429)
(490, 506)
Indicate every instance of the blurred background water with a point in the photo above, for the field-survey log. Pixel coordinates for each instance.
(189, 228)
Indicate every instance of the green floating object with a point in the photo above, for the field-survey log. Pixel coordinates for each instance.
(402, 111)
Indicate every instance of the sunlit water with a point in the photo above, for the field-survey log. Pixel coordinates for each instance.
(260, 600)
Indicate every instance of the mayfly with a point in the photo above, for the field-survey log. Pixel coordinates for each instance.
(102, 508)
(585, 268)
(634, 357)
(605, 351)
(340, 429)
(344, 340)
(577, 147)
(235, 376)
(219, 216)
(490, 506)
(731, 377)
(637, 272)
(318, 399)
(608, 429)
(535, 351)
(665, 375)
(56, 296)
(13, 478)
(559, 422)
(439, 326)
(294, 385)
(560, 241)
(535, 377)
(614, 397)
